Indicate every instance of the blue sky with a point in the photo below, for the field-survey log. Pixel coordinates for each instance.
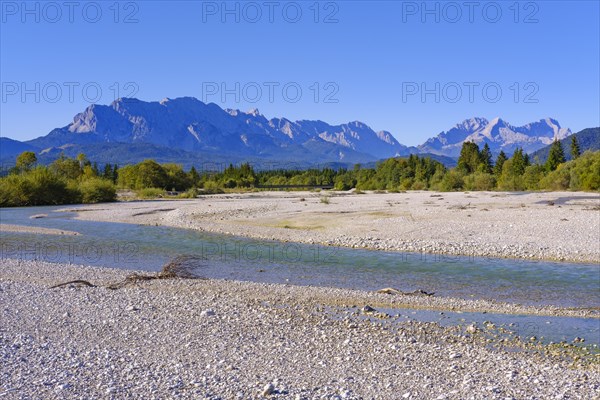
(394, 65)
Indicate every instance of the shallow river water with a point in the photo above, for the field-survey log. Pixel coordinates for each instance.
(149, 247)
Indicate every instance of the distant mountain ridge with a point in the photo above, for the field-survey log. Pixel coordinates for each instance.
(191, 125)
(189, 131)
(498, 134)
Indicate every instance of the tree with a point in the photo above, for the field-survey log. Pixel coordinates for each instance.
(556, 156)
(486, 159)
(177, 179)
(575, 152)
(469, 158)
(26, 160)
(194, 176)
(519, 162)
(107, 173)
(82, 158)
(115, 173)
(151, 174)
(68, 168)
(499, 163)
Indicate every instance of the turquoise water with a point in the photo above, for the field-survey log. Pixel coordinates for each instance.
(149, 247)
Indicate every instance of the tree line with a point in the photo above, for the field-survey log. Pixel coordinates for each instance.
(77, 180)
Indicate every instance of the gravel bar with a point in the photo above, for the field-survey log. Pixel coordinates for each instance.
(219, 339)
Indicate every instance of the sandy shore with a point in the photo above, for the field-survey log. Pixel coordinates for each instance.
(220, 339)
(552, 226)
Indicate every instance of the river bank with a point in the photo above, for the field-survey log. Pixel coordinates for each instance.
(228, 339)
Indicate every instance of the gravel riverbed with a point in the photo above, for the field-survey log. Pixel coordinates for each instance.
(222, 339)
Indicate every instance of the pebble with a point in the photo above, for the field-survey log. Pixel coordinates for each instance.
(268, 389)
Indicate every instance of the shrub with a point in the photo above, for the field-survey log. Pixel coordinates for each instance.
(150, 193)
(480, 181)
(211, 187)
(532, 177)
(36, 188)
(580, 174)
(189, 194)
(418, 185)
(452, 180)
(97, 190)
(559, 179)
(511, 179)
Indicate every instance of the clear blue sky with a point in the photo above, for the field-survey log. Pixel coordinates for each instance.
(372, 57)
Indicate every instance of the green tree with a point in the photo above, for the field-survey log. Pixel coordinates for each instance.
(194, 176)
(115, 173)
(151, 174)
(67, 168)
(469, 158)
(575, 152)
(82, 158)
(556, 156)
(510, 179)
(107, 173)
(486, 160)
(26, 160)
(499, 163)
(520, 161)
(177, 179)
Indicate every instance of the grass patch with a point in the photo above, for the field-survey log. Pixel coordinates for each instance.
(150, 193)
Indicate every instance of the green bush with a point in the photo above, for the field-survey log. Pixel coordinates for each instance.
(150, 193)
(418, 185)
(452, 180)
(580, 174)
(211, 187)
(37, 187)
(189, 194)
(97, 190)
(559, 179)
(479, 181)
(533, 176)
(511, 179)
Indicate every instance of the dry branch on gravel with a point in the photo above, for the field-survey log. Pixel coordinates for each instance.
(181, 267)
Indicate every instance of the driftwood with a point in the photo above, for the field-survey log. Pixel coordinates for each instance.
(77, 282)
(399, 292)
(181, 267)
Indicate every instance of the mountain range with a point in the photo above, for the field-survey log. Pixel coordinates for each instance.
(188, 131)
(498, 134)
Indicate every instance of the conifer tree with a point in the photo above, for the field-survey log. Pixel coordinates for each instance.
(575, 152)
(499, 163)
(469, 158)
(486, 159)
(194, 176)
(519, 161)
(556, 156)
